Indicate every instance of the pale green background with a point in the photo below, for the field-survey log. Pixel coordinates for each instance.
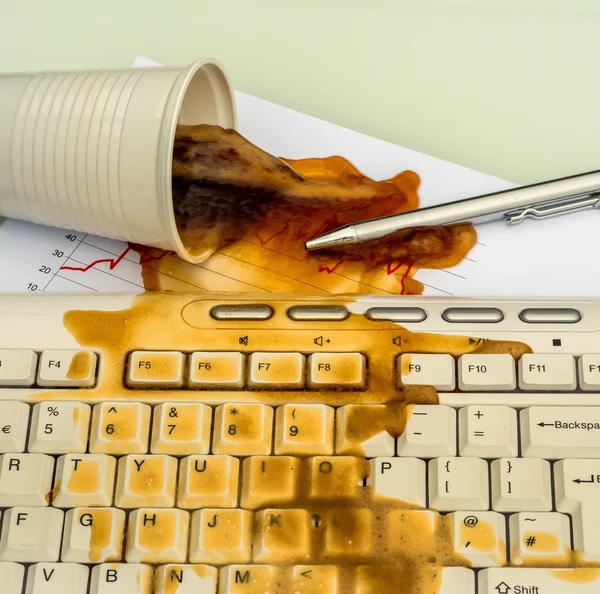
(510, 88)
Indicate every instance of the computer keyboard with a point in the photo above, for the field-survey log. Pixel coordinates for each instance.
(268, 444)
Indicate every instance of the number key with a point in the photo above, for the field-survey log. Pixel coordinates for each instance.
(120, 428)
(182, 428)
(59, 427)
(243, 429)
(305, 429)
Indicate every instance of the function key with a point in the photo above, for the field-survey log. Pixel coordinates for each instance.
(67, 369)
(241, 312)
(473, 315)
(17, 367)
(589, 372)
(427, 370)
(155, 369)
(217, 370)
(397, 314)
(301, 313)
(486, 372)
(547, 372)
(333, 370)
(276, 370)
(552, 315)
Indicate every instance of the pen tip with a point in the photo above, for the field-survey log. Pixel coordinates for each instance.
(331, 240)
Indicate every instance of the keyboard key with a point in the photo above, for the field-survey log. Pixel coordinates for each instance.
(547, 372)
(67, 369)
(12, 576)
(155, 369)
(560, 432)
(486, 373)
(347, 533)
(336, 477)
(488, 431)
(17, 368)
(93, 535)
(276, 370)
(221, 536)
(157, 535)
(577, 484)
(479, 537)
(511, 580)
(427, 370)
(31, 534)
(430, 432)
(208, 481)
(187, 579)
(25, 479)
(404, 524)
(589, 372)
(248, 579)
(308, 579)
(304, 429)
(335, 370)
(243, 429)
(540, 539)
(59, 427)
(53, 578)
(457, 579)
(216, 370)
(521, 484)
(354, 421)
(121, 578)
(146, 481)
(182, 428)
(269, 480)
(399, 478)
(84, 480)
(120, 428)
(458, 484)
(14, 421)
(282, 536)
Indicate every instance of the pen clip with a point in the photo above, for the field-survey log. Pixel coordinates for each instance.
(554, 208)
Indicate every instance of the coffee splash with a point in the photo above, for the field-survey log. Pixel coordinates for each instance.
(234, 200)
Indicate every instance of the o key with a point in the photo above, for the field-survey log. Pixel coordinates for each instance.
(155, 369)
(331, 370)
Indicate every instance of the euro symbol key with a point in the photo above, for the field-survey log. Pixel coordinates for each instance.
(6, 429)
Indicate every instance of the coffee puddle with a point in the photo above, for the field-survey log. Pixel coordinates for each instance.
(247, 215)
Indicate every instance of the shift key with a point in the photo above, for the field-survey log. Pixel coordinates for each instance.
(560, 432)
(516, 580)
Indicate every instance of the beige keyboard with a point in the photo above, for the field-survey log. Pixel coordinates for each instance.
(217, 444)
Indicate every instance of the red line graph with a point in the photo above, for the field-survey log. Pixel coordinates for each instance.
(114, 262)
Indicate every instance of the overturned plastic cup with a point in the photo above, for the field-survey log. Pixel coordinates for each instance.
(92, 151)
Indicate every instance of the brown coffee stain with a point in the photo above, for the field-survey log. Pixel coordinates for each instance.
(581, 575)
(246, 216)
(146, 481)
(80, 367)
(205, 578)
(208, 481)
(379, 541)
(100, 532)
(86, 479)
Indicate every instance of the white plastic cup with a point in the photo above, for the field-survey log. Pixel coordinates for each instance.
(92, 150)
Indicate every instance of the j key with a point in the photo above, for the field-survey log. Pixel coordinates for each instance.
(14, 420)
(538, 581)
(50, 578)
(93, 535)
(430, 432)
(577, 490)
(84, 479)
(12, 576)
(31, 534)
(540, 539)
(521, 484)
(188, 579)
(121, 578)
(488, 431)
(560, 432)
(59, 427)
(458, 484)
(67, 369)
(25, 479)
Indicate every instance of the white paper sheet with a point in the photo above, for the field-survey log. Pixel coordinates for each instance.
(550, 258)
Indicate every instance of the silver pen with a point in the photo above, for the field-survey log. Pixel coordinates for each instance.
(537, 201)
